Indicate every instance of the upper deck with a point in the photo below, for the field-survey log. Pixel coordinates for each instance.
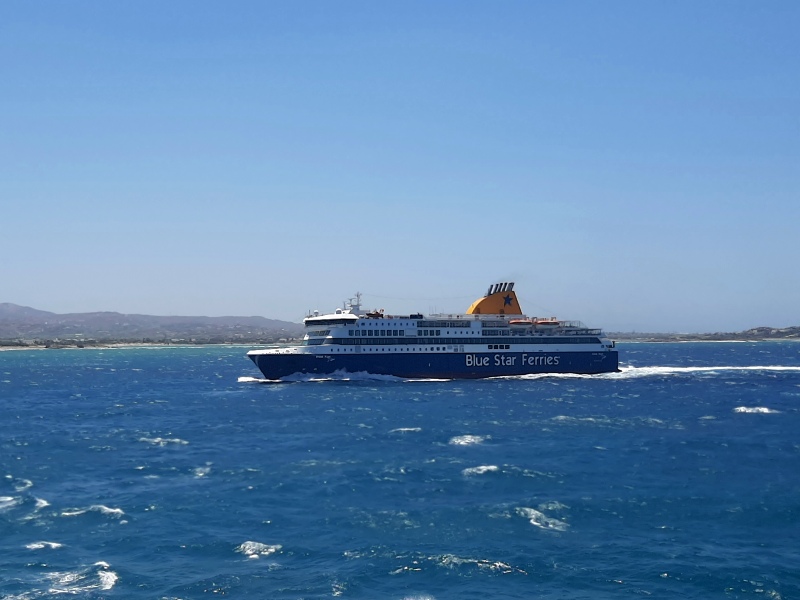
(351, 320)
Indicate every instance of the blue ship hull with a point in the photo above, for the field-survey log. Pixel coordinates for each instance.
(449, 365)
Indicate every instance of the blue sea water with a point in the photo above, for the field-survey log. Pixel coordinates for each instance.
(174, 473)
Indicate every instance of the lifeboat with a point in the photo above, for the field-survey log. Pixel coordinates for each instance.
(520, 322)
(551, 322)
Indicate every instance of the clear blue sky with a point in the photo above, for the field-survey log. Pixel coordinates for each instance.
(635, 165)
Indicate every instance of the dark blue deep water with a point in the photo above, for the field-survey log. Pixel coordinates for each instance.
(173, 473)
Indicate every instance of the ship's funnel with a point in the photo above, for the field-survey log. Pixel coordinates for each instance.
(500, 300)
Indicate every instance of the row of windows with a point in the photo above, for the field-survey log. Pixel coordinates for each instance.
(451, 341)
(376, 332)
(325, 322)
(418, 349)
(444, 324)
(575, 335)
(388, 332)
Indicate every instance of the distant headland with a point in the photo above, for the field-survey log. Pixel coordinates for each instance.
(25, 327)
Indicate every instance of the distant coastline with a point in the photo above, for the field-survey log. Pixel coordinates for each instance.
(752, 335)
(24, 327)
(67, 345)
(59, 343)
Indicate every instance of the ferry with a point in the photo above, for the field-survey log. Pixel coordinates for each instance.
(492, 339)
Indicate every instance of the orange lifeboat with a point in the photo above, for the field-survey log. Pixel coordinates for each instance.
(551, 322)
(521, 322)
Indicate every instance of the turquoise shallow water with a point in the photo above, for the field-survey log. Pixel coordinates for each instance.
(176, 473)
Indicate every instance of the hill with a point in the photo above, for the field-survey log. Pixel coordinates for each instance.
(26, 326)
(754, 334)
(25, 323)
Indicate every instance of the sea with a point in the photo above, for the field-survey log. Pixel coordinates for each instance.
(177, 473)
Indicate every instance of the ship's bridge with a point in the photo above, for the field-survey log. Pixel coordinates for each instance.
(330, 320)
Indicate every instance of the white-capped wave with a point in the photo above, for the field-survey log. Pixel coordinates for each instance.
(570, 419)
(452, 561)
(468, 440)
(8, 502)
(107, 579)
(100, 508)
(20, 485)
(41, 545)
(539, 519)
(553, 505)
(202, 471)
(159, 441)
(415, 562)
(406, 430)
(257, 549)
(756, 409)
(97, 577)
(480, 470)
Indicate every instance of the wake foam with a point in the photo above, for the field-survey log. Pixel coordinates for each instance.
(338, 376)
(315, 378)
(342, 376)
(256, 380)
(629, 372)
(625, 372)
